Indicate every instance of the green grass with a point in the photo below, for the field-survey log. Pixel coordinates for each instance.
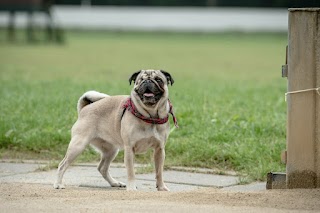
(228, 94)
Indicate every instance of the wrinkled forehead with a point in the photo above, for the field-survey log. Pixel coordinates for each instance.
(151, 74)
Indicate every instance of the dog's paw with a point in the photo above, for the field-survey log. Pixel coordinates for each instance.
(163, 188)
(59, 186)
(118, 184)
(130, 187)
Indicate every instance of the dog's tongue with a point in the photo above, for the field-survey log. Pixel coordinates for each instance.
(148, 95)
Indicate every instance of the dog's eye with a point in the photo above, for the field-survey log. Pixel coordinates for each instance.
(159, 80)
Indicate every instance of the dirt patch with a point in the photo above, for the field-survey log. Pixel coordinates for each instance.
(43, 198)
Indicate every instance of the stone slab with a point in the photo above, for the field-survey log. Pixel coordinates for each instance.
(89, 176)
(197, 179)
(7, 169)
(258, 186)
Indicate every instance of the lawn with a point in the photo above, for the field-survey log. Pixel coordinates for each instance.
(228, 94)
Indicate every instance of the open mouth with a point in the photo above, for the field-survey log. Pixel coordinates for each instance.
(148, 94)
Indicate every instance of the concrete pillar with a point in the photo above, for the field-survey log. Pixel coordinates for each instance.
(303, 123)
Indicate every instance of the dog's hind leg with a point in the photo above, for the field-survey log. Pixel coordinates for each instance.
(129, 162)
(108, 153)
(76, 147)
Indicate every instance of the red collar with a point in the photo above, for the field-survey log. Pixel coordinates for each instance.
(129, 105)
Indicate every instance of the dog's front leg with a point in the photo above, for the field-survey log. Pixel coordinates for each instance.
(129, 162)
(159, 156)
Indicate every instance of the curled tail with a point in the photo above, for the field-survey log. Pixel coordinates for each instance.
(88, 98)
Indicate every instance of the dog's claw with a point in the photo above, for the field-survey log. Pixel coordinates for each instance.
(118, 184)
(59, 186)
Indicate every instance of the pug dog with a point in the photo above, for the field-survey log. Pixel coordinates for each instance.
(133, 123)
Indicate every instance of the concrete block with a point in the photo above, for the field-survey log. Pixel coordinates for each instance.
(276, 180)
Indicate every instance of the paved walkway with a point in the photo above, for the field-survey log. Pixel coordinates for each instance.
(86, 175)
(190, 19)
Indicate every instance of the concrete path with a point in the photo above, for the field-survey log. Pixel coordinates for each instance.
(181, 19)
(86, 175)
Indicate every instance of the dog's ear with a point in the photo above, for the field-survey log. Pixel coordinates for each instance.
(168, 76)
(134, 77)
